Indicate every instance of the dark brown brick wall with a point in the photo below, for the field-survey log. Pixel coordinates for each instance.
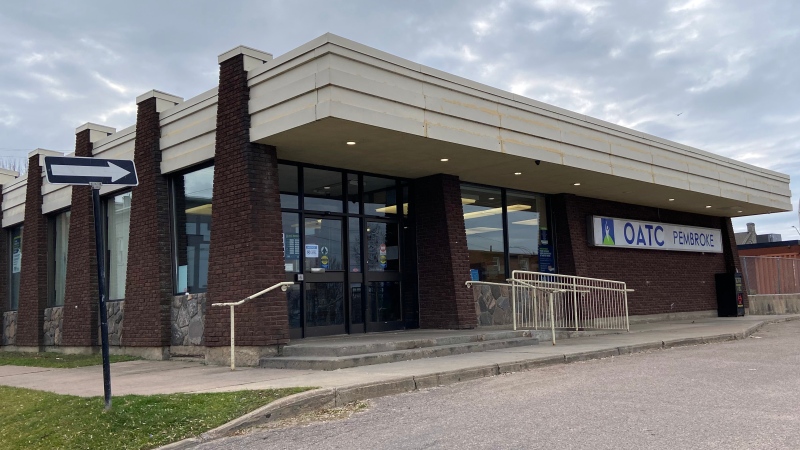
(443, 262)
(664, 281)
(246, 253)
(148, 289)
(80, 295)
(33, 278)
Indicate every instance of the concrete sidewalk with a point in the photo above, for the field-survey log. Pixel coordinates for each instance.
(159, 377)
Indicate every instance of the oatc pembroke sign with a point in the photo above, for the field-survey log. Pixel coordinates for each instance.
(623, 233)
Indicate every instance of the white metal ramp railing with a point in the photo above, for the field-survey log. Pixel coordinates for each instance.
(550, 301)
(283, 286)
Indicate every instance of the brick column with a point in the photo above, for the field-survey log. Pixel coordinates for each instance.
(33, 278)
(80, 293)
(148, 289)
(731, 252)
(443, 259)
(246, 253)
(570, 244)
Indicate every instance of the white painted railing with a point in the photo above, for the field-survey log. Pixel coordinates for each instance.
(577, 302)
(284, 286)
(550, 301)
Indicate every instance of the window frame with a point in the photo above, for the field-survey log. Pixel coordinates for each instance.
(10, 243)
(52, 242)
(104, 201)
(504, 193)
(173, 218)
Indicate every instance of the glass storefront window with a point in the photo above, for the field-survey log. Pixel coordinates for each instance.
(323, 244)
(119, 223)
(353, 194)
(192, 194)
(291, 241)
(60, 249)
(354, 244)
(483, 220)
(380, 197)
(15, 266)
(322, 190)
(293, 300)
(384, 298)
(288, 182)
(324, 304)
(526, 217)
(382, 247)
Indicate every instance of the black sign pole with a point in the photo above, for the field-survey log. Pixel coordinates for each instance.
(101, 285)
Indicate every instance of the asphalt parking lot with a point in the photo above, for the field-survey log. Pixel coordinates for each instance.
(730, 395)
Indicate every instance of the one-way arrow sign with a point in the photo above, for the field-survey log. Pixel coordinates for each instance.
(75, 170)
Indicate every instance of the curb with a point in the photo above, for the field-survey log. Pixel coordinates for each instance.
(309, 401)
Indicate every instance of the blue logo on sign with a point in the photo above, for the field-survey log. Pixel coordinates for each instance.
(607, 226)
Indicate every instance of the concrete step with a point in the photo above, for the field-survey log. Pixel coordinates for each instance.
(380, 343)
(366, 359)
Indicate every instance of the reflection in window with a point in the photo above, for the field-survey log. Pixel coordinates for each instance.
(119, 222)
(192, 202)
(322, 190)
(15, 266)
(61, 241)
(382, 247)
(384, 301)
(293, 301)
(483, 220)
(323, 244)
(288, 181)
(291, 241)
(324, 304)
(526, 217)
(356, 303)
(380, 197)
(354, 242)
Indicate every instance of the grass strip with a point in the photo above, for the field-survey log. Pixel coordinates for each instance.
(57, 360)
(32, 419)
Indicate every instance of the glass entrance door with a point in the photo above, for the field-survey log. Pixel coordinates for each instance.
(324, 276)
(382, 277)
(342, 243)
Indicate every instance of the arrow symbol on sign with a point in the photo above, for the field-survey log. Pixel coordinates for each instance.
(112, 171)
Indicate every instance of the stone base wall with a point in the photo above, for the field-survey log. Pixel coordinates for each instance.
(492, 305)
(188, 319)
(774, 304)
(116, 316)
(10, 328)
(53, 325)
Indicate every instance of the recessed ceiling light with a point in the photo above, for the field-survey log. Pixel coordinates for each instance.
(444, 160)
(576, 184)
(492, 198)
(327, 187)
(708, 206)
(672, 199)
(351, 142)
(741, 211)
(517, 173)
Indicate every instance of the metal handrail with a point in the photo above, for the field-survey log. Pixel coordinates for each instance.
(514, 306)
(284, 287)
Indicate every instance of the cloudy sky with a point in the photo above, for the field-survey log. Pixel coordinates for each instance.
(718, 75)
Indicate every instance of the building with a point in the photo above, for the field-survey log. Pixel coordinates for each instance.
(385, 183)
(751, 237)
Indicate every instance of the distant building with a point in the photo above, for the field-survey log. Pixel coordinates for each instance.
(750, 237)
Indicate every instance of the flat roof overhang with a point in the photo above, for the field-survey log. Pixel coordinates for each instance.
(405, 118)
(393, 153)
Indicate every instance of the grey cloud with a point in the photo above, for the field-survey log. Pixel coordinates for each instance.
(729, 67)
